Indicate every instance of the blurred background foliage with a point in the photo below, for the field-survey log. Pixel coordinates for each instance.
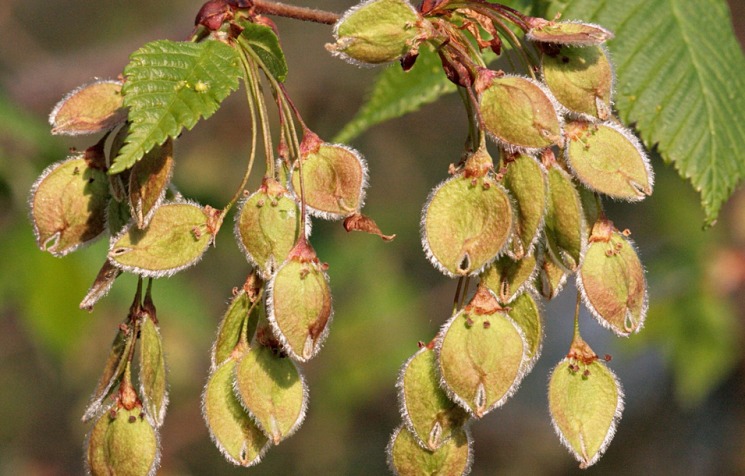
(684, 374)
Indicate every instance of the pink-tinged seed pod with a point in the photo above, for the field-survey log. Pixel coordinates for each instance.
(89, 109)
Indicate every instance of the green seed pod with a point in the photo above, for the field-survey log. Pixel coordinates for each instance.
(507, 278)
(89, 109)
(112, 372)
(572, 33)
(481, 355)
(585, 401)
(176, 238)
(425, 408)
(581, 79)
(407, 458)
(609, 159)
(299, 303)
(334, 179)
(123, 443)
(551, 275)
(68, 204)
(153, 387)
(118, 216)
(273, 391)
(565, 224)
(526, 181)
(466, 224)
(526, 314)
(231, 327)
(611, 280)
(267, 226)
(233, 431)
(148, 181)
(519, 113)
(376, 31)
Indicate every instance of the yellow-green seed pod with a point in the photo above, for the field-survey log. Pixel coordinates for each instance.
(89, 109)
(407, 458)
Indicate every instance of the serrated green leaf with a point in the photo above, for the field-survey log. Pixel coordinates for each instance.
(681, 79)
(261, 40)
(171, 85)
(397, 93)
(152, 372)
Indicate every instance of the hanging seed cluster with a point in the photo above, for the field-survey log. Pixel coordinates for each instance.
(518, 218)
(256, 395)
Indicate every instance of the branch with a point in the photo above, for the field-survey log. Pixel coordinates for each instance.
(269, 7)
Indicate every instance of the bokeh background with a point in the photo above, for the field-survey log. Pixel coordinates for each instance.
(684, 375)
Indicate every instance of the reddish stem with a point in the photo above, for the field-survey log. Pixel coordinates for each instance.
(291, 11)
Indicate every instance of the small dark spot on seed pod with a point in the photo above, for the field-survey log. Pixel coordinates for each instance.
(142, 415)
(246, 193)
(275, 203)
(91, 180)
(486, 186)
(234, 291)
(76, 171)
(260, 203)
(487, 324)
(304, 272)
(586, 373)
(112, 414)
(469, 321)
(564, 59)
(420, 344)
(607, 357)
(132, 418)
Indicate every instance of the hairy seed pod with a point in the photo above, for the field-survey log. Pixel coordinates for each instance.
(466, 224)
(406, 457)
(273, 391)
(376, 31)
(153, 387)
(585, 401)
(526, 181)
(609, 159)
(572, 33)
(148, 181)
(267, 226)
(123, 442)
(518, 112)
(176, 238)
(565, 224)
(481, 355)
(425, 408)
(334, 179)
(526, 314)
(299, 303)
(611, 280)
(232, 430)
(89, 109)
(507, 278)
(581, 79)
(551, 275)
(68, 204)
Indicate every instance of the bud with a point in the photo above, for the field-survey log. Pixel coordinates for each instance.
(466, 224)
(519, 113)
(565, 225)
(425, 408)
(507, 278)
(234, 432)
(612, 281)
(122, 442)
(585, 406)
(526, 181)
(176, 238)
(267, 226)
(376, 31)
(101, 285)
(334, 179)
(89, 109)
(407, 457)
(148, 181)
(572, 33)
(581, 79)
(609, 159)
(68, 204)
(299, 303)
(273, 391)
(153, 387)
(481, 355)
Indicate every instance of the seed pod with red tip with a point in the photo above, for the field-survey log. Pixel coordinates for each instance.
(299, 303)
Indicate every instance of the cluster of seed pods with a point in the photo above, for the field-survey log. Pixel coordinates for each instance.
(520, 224)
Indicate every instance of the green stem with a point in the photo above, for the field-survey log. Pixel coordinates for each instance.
(456, 299)
(576, 336)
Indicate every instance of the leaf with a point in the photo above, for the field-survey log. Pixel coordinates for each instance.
(171, 85)
(264, 43)
(397, 93)
(152, 372)
(681, 79)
